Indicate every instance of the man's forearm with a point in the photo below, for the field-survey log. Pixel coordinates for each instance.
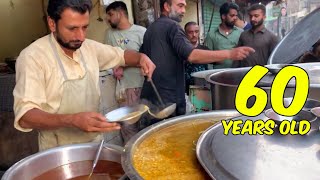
(132, 57)
(38, 119)
(199, 56)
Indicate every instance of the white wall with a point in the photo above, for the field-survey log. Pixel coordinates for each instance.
(21, 23)
(97, 29)
(191, 13)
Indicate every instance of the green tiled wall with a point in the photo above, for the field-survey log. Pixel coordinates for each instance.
(207, 8)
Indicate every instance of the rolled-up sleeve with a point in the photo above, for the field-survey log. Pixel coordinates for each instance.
(29, 92)
(108, 56)
(180, 42)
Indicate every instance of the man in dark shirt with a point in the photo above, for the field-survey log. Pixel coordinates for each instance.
(167, 45)
(258, 37)
(192, 32)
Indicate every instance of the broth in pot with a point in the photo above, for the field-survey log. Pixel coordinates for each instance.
(105, 170)
(170, 153)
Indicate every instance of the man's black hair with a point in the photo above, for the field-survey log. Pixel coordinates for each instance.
(257, 7)
(56, 7)
(189, 24)
(225, 8)
(118, 5)
(162, 4)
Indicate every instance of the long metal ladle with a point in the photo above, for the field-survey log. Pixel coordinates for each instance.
(96, 159)
(157, 93)
(166, 111)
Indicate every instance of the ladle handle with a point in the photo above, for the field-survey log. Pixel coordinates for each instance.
(96, 159)
(157, 93)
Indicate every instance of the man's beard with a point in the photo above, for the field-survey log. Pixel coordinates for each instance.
(259, 23)
(68, 45)
(175, 16)
(229, 24)
(113, 25)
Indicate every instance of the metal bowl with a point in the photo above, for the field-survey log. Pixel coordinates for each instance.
(302, 115)
(310, 103)
(39, 163)
(128, 115)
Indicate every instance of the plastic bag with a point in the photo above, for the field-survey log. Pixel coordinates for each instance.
(120, 92)
(189, 106)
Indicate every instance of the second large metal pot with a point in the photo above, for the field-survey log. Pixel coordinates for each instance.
(224, 86)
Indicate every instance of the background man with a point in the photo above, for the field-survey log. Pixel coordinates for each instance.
(192, 32)
(127, 36)
(166, 42)
(57, 90)
(258, 37)
(226, 35)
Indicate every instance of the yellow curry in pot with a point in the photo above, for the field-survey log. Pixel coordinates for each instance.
(170, 153)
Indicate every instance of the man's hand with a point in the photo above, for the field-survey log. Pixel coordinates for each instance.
(240, 53)
(118, 72)
(93, 122)
(147, 66)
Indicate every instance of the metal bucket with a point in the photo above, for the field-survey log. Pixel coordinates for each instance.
(41, 162)
(224, 86)
(131, 147)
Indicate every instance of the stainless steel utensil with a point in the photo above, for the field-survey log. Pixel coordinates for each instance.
(224, 85)
(309, 104)
(165, 111)
(302, 115)
(128, 115)
(316, 111)
(35, 165)
(96, 159)
(157, 93)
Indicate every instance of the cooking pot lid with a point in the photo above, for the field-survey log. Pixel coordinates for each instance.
(299, 40)
(259, 156)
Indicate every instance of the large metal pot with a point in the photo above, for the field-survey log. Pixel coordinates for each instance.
(39, 163)
(224, 86)
(131, 146)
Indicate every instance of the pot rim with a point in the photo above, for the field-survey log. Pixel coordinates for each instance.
(306, 66)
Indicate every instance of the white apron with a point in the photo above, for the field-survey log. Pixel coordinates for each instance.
(79, 95)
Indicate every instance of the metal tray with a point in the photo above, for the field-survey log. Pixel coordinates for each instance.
(259, 156)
